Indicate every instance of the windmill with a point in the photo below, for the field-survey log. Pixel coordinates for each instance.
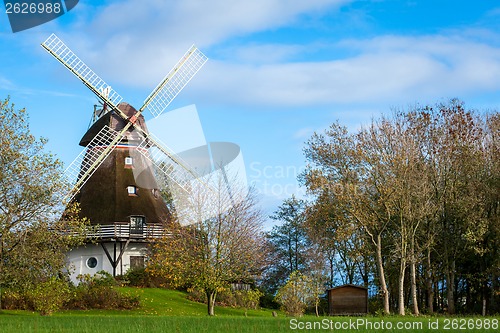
(118, 176)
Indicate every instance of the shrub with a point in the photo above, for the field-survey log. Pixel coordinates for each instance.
(140, 277)
(93, 292)
(15, 300)
(248, 299)
(49, 296)
(225, 297)
(101, 278)
(296, 294)
(98, 292)
(143, 278)
(293, 306)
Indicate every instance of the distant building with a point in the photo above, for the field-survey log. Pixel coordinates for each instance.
(347, 299)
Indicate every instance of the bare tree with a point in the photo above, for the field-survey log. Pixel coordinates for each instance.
(223, 243)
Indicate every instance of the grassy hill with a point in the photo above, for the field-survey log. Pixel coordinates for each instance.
(160, 311)
(170, 311)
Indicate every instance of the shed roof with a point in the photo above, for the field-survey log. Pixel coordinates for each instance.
(348, 285)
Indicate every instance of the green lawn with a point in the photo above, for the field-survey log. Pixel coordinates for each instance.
(170, 311)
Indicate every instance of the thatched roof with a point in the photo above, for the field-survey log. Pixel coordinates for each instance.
(116, 123)
(105, 199)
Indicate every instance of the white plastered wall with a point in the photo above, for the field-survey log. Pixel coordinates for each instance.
(78, 258)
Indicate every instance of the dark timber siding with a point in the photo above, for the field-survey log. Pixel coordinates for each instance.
(348, 299)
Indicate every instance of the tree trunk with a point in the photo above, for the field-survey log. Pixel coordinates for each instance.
(428, 280)
(381, 273)
(495, 286)
(450, 287)
(290, 254)
(1, 271)
(484, 296)
(366, 273)
(211, 302)
(401, 287)
(440, 295)
(413, 277)
(331, 262)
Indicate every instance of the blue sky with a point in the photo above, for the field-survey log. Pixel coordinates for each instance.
(278, 70)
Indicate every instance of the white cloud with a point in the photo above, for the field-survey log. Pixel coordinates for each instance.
(386, 68)
(263, 53)
(207, 20)
(135, 43)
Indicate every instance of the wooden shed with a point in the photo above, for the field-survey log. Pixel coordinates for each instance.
(347, 299)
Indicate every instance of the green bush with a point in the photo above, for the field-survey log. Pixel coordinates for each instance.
(45, 297)
(101, 278)
(105, 298)
(296, 294)
(98, 292)
(248, 299)
(49, 296)
(141, 277)
(93, 292)
(15, 300)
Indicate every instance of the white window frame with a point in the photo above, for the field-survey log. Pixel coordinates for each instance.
(131, 190)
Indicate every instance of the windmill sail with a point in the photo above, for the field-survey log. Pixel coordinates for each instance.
(171, 165)
(85, 164)
(174, 81)
(70, 60)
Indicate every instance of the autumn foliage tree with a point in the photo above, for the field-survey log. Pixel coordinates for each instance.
(33, 239)
(420, 190)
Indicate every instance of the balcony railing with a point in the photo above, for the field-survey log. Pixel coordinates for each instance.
(124, 230)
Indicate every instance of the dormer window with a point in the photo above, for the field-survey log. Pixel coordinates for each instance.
(129, 162)
(131, 190)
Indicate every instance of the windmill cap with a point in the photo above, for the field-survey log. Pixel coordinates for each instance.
(115, 122)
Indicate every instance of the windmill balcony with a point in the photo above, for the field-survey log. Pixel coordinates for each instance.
(124, 231)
